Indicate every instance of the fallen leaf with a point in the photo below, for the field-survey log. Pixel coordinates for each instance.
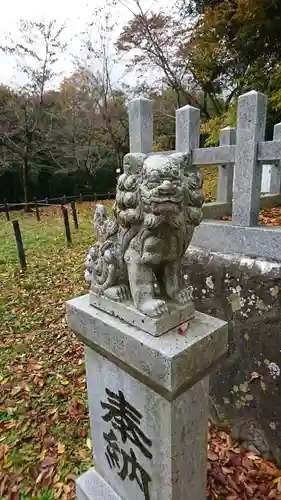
(66, 489)
(252, 456)
(70, 477)
(64, 381)
(15, 390)
(89, 443)
(4, 449)
(183, 327)
(269, 469)
(58, 487)
(61, 448)
(40, 477)
(212, 456)
(83, 454)
(48, 461)
(254, 376)
(4, 380)
(82, 433)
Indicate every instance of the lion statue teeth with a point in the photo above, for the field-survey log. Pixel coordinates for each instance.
(158, 204)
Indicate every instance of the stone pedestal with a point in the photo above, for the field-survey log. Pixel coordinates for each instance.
(148, 400)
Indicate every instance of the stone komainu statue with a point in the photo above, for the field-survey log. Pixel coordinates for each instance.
(139, 251)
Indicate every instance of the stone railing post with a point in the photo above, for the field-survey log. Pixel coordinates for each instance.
(225, 173)
(148, 401)
(187, 129)
(248, 171)
(275, 172)
(141, 125)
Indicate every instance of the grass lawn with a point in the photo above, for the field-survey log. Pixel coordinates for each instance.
(43, 416)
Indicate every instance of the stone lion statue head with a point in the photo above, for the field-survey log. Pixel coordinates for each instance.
(158, 188)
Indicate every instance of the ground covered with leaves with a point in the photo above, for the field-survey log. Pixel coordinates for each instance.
(44, 430)
(267, 217)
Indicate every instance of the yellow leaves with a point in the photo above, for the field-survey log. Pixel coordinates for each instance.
(6, 463)
(63, 380)
(89, 443)
(3, 380)
(277, 482)
(61, 448)
(210, 176)
(42, 454)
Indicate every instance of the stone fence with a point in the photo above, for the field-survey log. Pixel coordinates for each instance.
(240, 156)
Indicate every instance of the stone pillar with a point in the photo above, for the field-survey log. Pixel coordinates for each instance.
(275, 172)
(141, 125)
(187, 129)
(225, 177)
(248, 171)
(148, 401)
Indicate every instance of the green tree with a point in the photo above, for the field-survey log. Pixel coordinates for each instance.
(147, 39)
(235, 44)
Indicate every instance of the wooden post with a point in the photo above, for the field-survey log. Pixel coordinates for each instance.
(74, 214)
(37, 210)
(19, 244)
(7, 209)
(66, 224)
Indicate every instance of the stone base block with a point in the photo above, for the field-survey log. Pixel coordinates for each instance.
(91, 486)
(126, 311)
(148, 403)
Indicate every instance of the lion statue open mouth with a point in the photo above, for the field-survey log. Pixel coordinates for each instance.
(158, 205)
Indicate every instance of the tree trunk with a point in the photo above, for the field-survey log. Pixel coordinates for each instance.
(25, 184)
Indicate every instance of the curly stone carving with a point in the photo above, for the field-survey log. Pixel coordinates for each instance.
(138, 254)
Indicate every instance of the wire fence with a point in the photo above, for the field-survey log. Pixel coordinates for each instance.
(65, 218)
(62, 200)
